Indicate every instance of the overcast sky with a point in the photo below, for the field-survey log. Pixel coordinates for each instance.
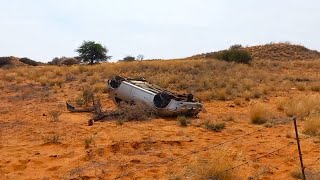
(44, 29)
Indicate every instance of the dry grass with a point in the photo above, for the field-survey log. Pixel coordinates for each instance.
(183, 121)
(303, 106)
(207, 79)
(259, 113)
(311, 125)
(54, 115)
(52, 139)
(215, 126)
(136, 112)
(212, 167)
(87, 142)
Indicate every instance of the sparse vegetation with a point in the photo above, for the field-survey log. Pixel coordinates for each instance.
(138, 112)
(88, 142)
(215, 126)
(87, 95)
(234, 55)
(183, 121)
(259, 114)
(129, 59)
(5, 62)
(303, 106)
(52, 139)
(220, 84)
(296, 173)
(212, 167)
(312, 125)
(54, 115)
(28, 61)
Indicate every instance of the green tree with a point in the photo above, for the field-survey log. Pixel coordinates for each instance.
(129, 58)
(92, 52)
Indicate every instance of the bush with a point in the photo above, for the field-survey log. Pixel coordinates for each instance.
(88, 142)
(87, 95)
(52, 139)
(55, 61)
(236, 46)
(183, 121)
(29, 61)
(213, 167)
(68, 61)
(138, 111)
(312, 125)
(4, 61)
(303, 106)
(234, 54)
(258, 114)
(54, 115)
(129, 59)
(217, 127)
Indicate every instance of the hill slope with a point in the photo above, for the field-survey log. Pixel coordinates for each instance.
(273, 51)
(282, 51)
(15, 61)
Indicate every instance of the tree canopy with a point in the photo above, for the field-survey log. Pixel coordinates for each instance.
(92, 52)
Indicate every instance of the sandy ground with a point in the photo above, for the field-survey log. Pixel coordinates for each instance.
(153, 149)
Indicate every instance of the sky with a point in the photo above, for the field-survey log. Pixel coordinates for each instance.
(157, 29)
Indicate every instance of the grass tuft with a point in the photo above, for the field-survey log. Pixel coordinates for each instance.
(217, 127)
(258, 114)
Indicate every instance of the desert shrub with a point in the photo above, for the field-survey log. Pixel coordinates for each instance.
(10, 77)
(310, 174)
(64, 61)
(52, 139)
(139, 111)
(129, 59)
(281, 104)
(69, 61)
(43, 80)
(4, 61)
(213, 167)
(87, 95)
(54, 115)
(55, 61)
(56, 88)
(56, 82)
(259, 114)
(221, 94)
(88, 142)
(80, 101)
(303, 106)
(296, 173)
(29, 61)
(236, 46)
(315, 87)
(234, 54)
(301, 86)
(100, 87)
(247, 95)
(311, 125)
(217, 127)
(70, 77)
(183, 121)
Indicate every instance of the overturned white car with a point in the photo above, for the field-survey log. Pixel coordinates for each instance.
(164, 102)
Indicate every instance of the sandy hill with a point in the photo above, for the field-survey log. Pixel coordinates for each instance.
(15, 61)
(11, 61)
(282, 51)
(274, 51)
